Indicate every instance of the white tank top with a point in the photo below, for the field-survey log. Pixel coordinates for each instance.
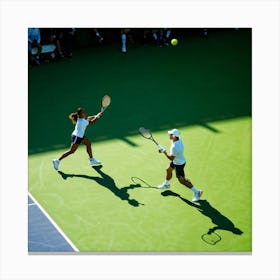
(80, 127)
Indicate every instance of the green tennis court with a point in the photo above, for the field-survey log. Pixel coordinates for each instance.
(201, 87)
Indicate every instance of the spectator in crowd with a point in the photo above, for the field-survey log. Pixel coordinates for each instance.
(126, 33)
(68, 40)
(34, 41)
(166, 36)
(53, 36)
(98, 36)
(205, 33)
(161, 36)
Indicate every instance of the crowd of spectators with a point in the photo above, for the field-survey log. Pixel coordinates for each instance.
(49, 44)
(53, 44)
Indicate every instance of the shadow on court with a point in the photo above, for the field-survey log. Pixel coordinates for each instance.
(204, 207)
(108, 182)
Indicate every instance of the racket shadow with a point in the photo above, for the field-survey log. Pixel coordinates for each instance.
(141, 183)
(220, 221)
(108, 182)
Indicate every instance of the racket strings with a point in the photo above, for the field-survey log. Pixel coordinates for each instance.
(145, 132)
(106, 100)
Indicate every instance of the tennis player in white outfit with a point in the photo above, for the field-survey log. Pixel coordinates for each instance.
(177, 163)
(78, 136)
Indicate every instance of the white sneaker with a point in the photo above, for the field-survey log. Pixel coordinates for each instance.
(163, 186)
(55, 163)
(197, 196)
(94, 161)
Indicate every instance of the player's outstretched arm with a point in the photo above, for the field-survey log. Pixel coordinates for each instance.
(93, 119)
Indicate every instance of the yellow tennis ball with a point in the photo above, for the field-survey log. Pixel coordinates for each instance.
(174, 42)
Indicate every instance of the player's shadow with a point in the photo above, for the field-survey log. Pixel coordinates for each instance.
(108, 182)
(204, 207)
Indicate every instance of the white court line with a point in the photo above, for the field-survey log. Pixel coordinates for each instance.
(54, 224)
(31, 204)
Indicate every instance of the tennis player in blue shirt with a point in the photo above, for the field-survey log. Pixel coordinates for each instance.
(178, 162)
(78, 136)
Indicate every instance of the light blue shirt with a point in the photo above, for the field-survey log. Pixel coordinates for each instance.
(80, 127)
(177, 150)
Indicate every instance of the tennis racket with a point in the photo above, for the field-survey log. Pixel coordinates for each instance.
(146, 133)
(105, 102)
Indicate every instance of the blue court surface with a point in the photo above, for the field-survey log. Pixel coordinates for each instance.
(43, 235)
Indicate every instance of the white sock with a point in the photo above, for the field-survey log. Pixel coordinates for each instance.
(166, 182)
(194, 189)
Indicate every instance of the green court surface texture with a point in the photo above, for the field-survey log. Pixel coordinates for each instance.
(201, 87)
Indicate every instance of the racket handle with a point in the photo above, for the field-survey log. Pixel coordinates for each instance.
(98, 115)
(161, 149)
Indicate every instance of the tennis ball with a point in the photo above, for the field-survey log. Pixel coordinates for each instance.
(174, 42)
